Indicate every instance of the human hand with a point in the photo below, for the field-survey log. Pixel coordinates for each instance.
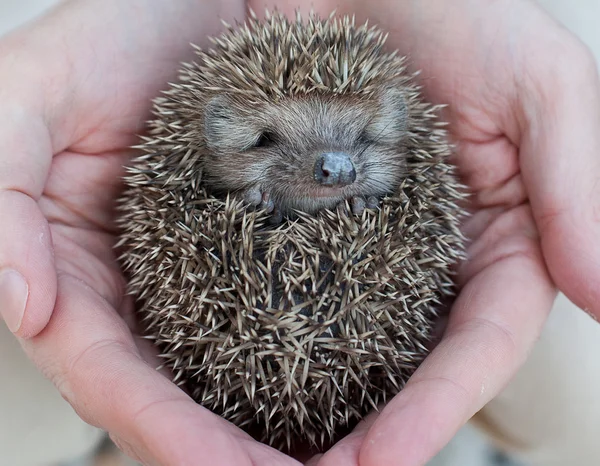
(75, 88)
(524, 109)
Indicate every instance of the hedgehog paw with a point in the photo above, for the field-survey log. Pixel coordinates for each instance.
(359, 204)
(259, 199)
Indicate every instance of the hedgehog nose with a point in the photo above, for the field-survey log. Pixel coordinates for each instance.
(334, 169)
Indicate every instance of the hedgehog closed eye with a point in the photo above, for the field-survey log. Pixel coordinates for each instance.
(266, 139)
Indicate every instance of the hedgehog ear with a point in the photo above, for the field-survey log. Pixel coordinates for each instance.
(390, 123)
(225, 129)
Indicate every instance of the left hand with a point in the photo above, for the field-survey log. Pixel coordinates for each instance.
(75, 89)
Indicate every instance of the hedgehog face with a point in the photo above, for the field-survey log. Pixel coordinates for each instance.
(307, 152)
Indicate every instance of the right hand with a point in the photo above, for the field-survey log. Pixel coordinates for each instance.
(523, 99)
(75, 88)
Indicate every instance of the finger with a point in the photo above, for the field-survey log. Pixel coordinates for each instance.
(314, 461)
(345, 452)
(90, 355)
(27, 273)
(560, 164)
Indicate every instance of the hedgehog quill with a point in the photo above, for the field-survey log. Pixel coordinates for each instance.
(290, 228)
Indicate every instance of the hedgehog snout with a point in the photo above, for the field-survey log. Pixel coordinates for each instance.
(334, 169)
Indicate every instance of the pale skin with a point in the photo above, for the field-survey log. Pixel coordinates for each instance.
(75, 88)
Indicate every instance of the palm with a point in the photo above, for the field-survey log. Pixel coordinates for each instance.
(484, 127)
(78, 203)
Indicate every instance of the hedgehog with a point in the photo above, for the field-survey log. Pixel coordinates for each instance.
(290, 226)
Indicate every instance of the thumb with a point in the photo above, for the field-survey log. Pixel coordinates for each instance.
(27, 272)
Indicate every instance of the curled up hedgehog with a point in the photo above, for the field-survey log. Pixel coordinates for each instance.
(290, 228)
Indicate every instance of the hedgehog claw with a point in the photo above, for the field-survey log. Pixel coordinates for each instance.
(267, 203)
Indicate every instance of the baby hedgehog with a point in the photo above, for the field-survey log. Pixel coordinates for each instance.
(290, 228)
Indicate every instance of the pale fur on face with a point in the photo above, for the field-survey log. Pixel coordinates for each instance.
(273, 146)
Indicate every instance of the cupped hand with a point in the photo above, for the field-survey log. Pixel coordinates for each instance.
(524, 108)
(524, 112)
(75, 88)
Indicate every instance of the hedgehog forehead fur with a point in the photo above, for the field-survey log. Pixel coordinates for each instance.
(297, 330)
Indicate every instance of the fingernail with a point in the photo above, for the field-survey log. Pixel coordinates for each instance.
(13, 298)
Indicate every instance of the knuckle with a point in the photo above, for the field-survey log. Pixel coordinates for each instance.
(501, 333)
(562, 63)
(576, 62)
(79, 379)
(53, 372)
(126, 447)
(582, 57)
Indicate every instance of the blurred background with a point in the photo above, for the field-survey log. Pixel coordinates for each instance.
(567, 328)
